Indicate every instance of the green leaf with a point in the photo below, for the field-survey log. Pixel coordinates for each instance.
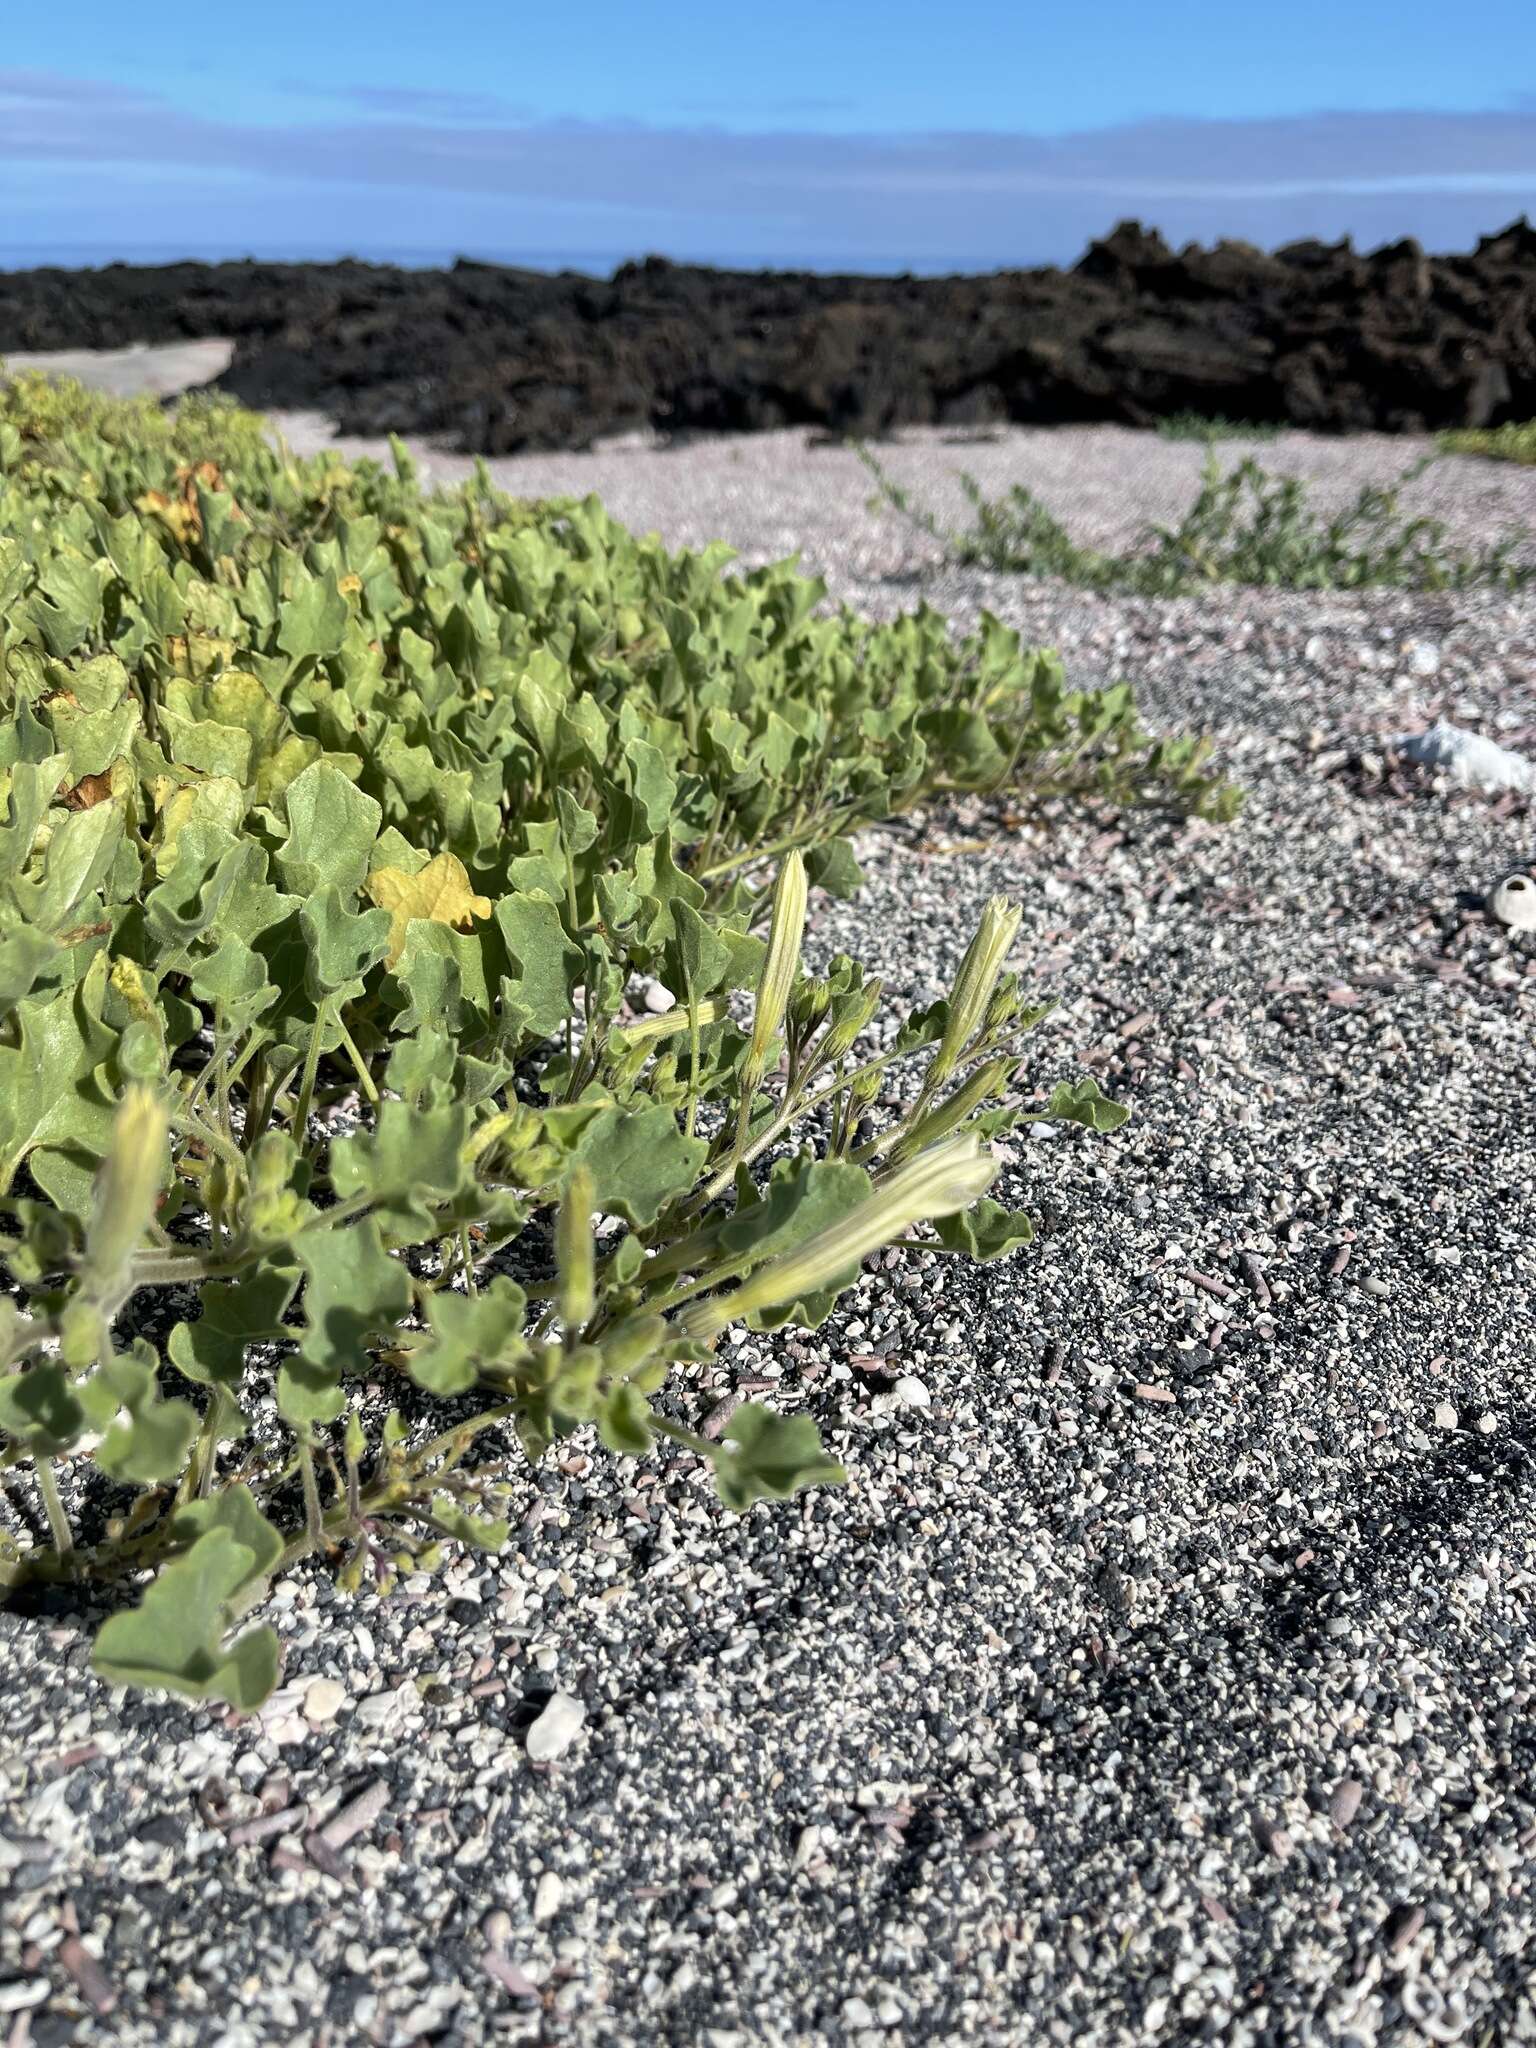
(235, 1315)
(697, 959)
(639, 1160)
(624, 1422)
(73, 591)
(39, 1410)
(411, 1162)
(146, 1439)
(1083, 1102)
(341, 944)
(802, 1198)
(80, 855)
(469, 1334)
(314, 620)
(832, 867)
(986, 1231)
(653, 787)
(331, 829)
(50, 1090)
(175, 1639)
(354, 1291)
(546, 967)
(235, 1511)
(769, 1457)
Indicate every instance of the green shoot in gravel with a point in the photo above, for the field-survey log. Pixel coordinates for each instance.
(1196, 426)
(1244, 527)
(342, 1172)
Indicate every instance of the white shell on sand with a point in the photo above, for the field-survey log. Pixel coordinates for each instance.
(1513, 901)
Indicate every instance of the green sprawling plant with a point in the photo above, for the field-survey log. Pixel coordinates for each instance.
(338, 824)
(1515, 441)
(1244, 527)
(1197, 426)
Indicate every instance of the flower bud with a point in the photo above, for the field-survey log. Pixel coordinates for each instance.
(573, 1250)
(127, 1189)
(974, 984)
(781, 964)
(848, 1027)
(987, 1081)
(948, 1177)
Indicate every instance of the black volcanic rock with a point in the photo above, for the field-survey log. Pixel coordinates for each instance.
(494, 359)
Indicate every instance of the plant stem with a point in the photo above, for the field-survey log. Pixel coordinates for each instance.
(314, 1517)
(307, 1081)
(361, 1065)
(58, 1521)
(688, 1438)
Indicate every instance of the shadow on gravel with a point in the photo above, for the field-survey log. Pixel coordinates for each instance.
(1398, 1515)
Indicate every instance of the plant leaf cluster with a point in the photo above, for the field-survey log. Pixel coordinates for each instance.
(339, 828)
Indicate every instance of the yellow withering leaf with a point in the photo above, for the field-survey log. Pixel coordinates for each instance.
(439, 892)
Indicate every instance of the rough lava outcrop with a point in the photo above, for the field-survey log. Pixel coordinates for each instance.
(495, 360)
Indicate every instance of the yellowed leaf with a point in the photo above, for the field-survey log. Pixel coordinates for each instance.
(440, 892)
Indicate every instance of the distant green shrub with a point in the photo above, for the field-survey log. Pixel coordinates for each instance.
(1509, 443)
(1195, 426)
(1245, 527)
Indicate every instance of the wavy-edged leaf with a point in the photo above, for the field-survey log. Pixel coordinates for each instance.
(176, 1638)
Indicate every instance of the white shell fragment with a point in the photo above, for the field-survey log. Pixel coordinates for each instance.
(1468, 758)
(1513, 900)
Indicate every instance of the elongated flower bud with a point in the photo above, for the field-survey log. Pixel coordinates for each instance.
(127, 1188)
(978, 977)
(843, 1033)
(573, 1250)
(647, 1029)
(989, 1080)
(781, 964)
(948, 1177)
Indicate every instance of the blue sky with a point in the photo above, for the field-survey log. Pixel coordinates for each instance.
(971, 133)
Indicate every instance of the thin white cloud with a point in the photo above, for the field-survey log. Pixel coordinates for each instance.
(1258, 178)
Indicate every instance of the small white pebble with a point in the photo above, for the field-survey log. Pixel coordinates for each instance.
(1445, 1415)
(549, 1894)
(911, 1392)
(556, 1728)
(324, 1699)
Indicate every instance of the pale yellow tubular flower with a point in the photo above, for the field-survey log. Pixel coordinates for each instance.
(573, 1250)
(978, 977)
(127, 1189)
(949, 1176)
(647, 1029)
(781, 964)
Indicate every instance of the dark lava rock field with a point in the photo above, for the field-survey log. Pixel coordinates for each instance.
(496, 360)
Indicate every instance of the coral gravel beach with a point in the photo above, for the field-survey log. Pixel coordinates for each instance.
(1164, 1672)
